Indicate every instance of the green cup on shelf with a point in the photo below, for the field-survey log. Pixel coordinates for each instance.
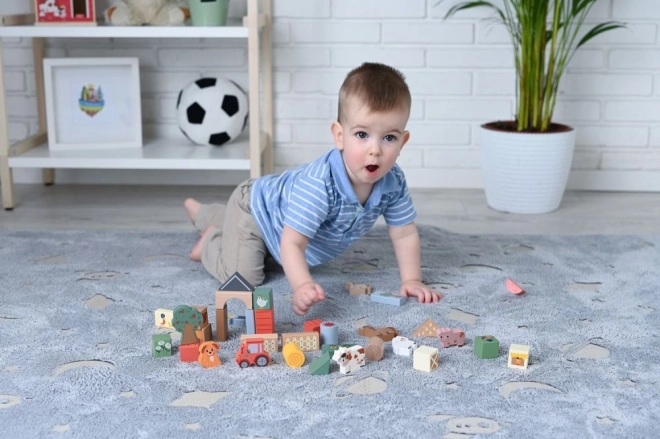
(208, 12)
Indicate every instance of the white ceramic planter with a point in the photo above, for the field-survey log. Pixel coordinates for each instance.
(525, 172)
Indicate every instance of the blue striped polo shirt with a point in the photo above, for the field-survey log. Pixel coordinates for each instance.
(317, 200)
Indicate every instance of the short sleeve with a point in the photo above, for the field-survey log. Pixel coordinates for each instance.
(400, 210)
(307, 205)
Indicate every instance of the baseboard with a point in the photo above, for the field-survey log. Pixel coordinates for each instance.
(633, 181)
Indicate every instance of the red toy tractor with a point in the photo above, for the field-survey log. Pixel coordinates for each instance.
(252, 353)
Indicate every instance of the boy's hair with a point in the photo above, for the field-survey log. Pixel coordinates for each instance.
(379, 86)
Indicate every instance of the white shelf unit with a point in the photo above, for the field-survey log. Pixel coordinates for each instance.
(251, 152)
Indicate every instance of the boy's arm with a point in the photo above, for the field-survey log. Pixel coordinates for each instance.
(292, 253)
(405, 240)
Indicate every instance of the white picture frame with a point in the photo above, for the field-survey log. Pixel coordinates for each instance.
(93, 103)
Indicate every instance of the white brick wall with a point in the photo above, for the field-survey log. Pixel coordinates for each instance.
(459, 70)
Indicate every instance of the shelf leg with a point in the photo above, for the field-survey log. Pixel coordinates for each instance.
(6, 179)
(253, 77)
(38, 48)
(267, 59)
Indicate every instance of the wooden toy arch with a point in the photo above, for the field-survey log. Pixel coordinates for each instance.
(222, 297)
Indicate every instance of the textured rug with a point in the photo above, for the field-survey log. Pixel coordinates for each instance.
(76, 320)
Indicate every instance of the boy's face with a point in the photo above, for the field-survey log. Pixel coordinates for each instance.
(370, 142)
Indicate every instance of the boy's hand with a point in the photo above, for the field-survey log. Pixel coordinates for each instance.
(305, 296)
(423, 293)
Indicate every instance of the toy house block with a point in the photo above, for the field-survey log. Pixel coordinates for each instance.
(426, 358)
(308, 341)
(204, 311)
(388, 298)
(271, 341)
(205, 333)
(189, 353)
(486, 346)
(262, 298)
(518, 356)
(375, 348)
(161, 345)
(293, 355)
(236, 287)
(264, 321)
(427, 329)
(163, 318)
(312, 325)
(386, 334)
(358, 289)
(249, 322)
(64, 12)
(329, 333)
(221, 330)
(320, 366)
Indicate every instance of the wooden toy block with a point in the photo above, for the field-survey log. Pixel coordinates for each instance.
(312, 325)
(64, 12)
(308, 341)
(262, 298)
(386, 334)
(514, 288)
(349, 359)
(403, 346)
(388, 298)
(271, 341)
(375, 348)
(249, 322)
(208, 354)
(252, 353)
(427, 329)
(329, 333)
(320, 366)
(221, 330)
(186, 320)
(331, 348)
(358, 289)
(189, 353)
(236, 287)
(293, 356)
(486, 346)
(264, 321)
(450, 337)
(163, 318)
(204, 311)
(205, 333)
(161, 345)
(518, 356)
(237, 321)
(426, 358)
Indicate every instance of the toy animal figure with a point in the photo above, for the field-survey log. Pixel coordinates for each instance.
(450, 337)
(141, 12)
(403, 346)
(208, 354)
(349, 359)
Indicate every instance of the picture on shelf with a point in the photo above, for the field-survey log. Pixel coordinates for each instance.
(93, 103)
(65, 12)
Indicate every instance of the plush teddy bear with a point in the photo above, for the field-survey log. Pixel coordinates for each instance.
(141, 12)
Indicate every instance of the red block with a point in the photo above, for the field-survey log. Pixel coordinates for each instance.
(264, 321)
(312, 326)
(189, 353)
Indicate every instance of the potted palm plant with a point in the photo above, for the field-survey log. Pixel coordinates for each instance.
(526, 161)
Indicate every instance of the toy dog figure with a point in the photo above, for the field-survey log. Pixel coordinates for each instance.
(208, 354)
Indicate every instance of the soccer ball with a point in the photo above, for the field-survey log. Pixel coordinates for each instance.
(212, 111)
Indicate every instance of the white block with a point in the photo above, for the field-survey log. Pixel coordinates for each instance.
(518, 356)
(426, 358)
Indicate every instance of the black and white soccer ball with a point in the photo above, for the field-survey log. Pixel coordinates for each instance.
(212, 111)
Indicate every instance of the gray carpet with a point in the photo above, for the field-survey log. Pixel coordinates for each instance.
(76, 319)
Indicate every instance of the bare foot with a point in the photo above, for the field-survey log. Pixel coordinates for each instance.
(192, 207)
(196, 252)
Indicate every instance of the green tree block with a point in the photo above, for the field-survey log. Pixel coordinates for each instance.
(331, 348)
(262, 298)
(161, 345)
(320, 366)
(486, 346)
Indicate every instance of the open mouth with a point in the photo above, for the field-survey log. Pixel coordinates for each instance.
(372, 168)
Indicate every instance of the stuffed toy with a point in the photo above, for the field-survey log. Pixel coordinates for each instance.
(142, 12)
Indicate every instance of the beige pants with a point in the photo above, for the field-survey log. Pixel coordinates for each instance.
(235, 242)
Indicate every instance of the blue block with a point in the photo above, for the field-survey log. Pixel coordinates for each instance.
(249, 322)
(237, 321)
(388, 298)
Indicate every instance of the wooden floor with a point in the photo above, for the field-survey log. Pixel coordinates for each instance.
(159, 208)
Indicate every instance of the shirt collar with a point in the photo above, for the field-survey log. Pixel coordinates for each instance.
(385, 185)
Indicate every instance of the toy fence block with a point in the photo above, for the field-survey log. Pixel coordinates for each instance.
(426, 358)
(262, 298)
(320, 366)
(204, 311)
(264, 321)
(221, 330)
(358, 289)
(518, 356)
(161, 345)
(204, 333)
(388, 298)
(486, 346)
(329, 333)
(312, 325)
(308, 341)
(163, 318)
(249, 322)
(427, 329)
(271, 341)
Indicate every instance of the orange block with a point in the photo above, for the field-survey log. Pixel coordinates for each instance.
(312, 325)
(264, 321)
(189, 353)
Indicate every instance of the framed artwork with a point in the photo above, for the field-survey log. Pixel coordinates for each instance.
(93, 103)
(68, 12)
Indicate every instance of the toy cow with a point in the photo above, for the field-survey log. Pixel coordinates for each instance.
(403, 346)
(349, 359)
(450, 337)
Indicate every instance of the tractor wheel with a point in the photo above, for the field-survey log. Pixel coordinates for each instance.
(244, 364)
(262, 361)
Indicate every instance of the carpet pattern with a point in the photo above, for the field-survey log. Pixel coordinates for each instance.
(76, 320)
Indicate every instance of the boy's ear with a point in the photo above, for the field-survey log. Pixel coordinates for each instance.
(406, 137)
(337, 131)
